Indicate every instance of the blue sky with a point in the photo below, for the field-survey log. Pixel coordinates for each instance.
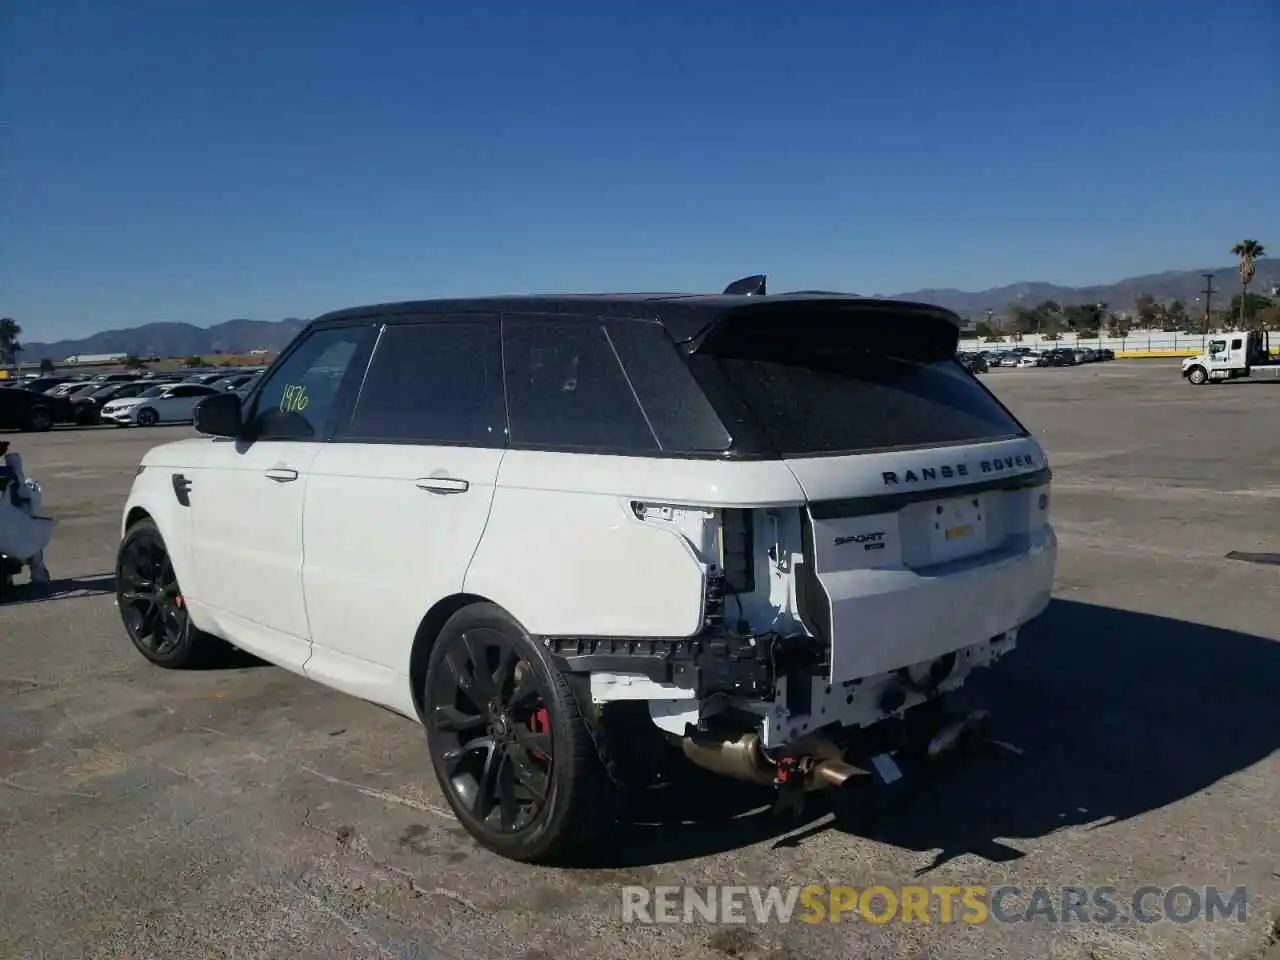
(199, 160)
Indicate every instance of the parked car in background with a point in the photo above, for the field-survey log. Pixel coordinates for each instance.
(233, 382)
(89, 408)
(1106, 354)
(973, 362)
(1029, 360)
(162, 403)
(23, 409)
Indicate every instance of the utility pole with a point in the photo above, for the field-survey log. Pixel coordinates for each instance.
(1208, 299)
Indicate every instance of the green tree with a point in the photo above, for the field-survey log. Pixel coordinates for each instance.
(1248, 251)
(1268, 318)
(1251, 306)
(193, 361)
(46, 366)
(1144, 304)
(1175, 316)
(1118, 325)
(133, 363)
(10, 346)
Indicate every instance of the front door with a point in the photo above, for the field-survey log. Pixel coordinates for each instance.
(247, 502)
(397, 503)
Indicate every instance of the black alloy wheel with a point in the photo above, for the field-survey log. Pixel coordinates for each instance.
(151, 603)
(148, 417)
(39, 420)
(518, 761)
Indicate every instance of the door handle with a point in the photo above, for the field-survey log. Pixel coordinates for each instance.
(282, 474)
(442, 485)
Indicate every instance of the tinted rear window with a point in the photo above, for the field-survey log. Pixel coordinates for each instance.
(826, 388)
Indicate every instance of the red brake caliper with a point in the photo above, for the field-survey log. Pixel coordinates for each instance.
(540, 722)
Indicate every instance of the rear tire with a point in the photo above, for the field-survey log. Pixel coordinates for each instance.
(151, 604)
(515, 747)
(38, 420)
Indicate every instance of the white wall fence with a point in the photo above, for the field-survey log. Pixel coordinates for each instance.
(1139, 341)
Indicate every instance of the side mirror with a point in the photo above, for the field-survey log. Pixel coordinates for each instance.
(219, 416)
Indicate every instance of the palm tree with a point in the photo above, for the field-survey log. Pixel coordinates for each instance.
(9, 345)
(1248, 251)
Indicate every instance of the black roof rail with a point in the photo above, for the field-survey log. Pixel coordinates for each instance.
(753, 286)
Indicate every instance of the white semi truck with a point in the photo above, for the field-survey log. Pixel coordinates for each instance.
(1231, 356)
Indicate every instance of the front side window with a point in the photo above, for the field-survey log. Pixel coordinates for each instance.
(297, 399)
(437, 382)
(566, 389)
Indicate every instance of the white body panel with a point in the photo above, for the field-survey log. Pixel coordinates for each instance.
(247, 545)
(390, 530)
(900, 590)
(566, 554)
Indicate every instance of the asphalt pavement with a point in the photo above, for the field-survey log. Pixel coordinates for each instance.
(245, 812)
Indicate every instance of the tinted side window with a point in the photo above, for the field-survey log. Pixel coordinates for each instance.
(1236, 343)
(434, 382)
(567, 390)
(677, 409)
(297, 398)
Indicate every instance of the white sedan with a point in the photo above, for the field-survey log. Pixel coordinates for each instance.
(163, 403)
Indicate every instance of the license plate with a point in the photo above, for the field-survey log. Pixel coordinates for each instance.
(959, 528)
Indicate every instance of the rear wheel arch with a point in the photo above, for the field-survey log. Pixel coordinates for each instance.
(425, 637)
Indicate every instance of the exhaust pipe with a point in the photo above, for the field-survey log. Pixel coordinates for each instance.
(744, 758)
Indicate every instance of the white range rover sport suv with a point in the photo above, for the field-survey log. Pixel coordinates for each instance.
(574, 536)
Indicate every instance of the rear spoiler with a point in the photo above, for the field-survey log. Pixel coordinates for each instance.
(777, 327)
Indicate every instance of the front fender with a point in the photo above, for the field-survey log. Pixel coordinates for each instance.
(152, 495)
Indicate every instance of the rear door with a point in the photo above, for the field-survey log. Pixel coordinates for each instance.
(911, 469)
(397, 502)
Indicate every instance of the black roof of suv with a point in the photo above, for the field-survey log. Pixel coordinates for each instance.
(687, 317)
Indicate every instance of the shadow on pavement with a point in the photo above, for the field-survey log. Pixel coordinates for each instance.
(59, 588)
(1116, 713)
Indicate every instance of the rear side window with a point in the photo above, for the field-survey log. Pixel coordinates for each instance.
(567, 390)
(856, 385)
(438, 382)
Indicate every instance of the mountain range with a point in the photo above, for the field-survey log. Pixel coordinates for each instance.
(241, 336)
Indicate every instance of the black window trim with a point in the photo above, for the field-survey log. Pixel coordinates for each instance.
(343, 399)
(489, 317)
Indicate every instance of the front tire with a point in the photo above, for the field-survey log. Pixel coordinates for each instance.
(39, 420)
(1197, 375)
(517, 755)
(151, 604)
(148, 418)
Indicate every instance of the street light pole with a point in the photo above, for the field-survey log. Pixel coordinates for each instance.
(1208, 300)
